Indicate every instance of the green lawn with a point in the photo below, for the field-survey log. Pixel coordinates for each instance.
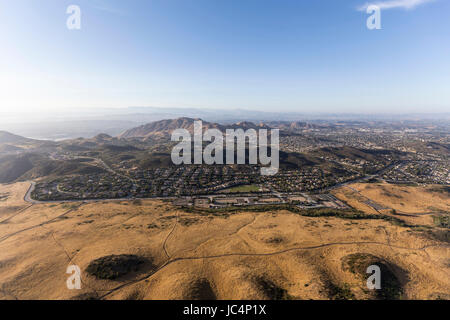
(243, 189)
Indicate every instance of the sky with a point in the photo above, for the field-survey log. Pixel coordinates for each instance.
(266, 55)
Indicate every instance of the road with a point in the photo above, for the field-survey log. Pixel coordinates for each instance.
(27, 197)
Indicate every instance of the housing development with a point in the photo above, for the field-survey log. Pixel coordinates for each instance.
(313, 159)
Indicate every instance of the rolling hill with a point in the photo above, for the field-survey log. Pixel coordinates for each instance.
(164, 128)
(7, 137)
(12, 167)
(34, 165)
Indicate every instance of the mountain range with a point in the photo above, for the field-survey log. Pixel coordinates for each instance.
(163, 128)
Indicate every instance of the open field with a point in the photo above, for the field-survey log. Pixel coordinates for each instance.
(11, 200)
(407, 199)
(415, 204)
(161, 252)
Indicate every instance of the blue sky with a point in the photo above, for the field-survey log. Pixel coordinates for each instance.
(287, 55)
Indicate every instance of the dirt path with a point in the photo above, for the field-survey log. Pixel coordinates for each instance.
(168, 236)
(171, 261)
(16, 214)
(40, 224)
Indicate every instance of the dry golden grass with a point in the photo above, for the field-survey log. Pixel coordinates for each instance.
(11, 199)
(407, 199)
(414, 204)
(247, 255)
(353, 199)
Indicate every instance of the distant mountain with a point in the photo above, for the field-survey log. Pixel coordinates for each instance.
(11, 144)
(82, 144)
(164, 128)
(245, 125)
(103, 138)
(291, 126)
(7, 137)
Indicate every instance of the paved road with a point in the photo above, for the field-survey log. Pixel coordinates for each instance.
(27, 197)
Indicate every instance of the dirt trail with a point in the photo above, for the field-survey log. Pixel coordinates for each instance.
(16, 214)
(40, 224)
(168, 236)
(171, 261)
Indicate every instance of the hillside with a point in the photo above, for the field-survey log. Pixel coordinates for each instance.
(164, 128)
(9, 148)
(11, 143)
(32, 166)
(7, 137)
(12, 167)
(350, 153)
(150, 249)
(60, 168)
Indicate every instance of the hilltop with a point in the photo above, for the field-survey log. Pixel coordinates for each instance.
(7, 137)
(164, 128)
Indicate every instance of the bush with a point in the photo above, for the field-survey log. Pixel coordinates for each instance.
(114, 266)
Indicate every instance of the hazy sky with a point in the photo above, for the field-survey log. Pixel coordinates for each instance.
(290, 55)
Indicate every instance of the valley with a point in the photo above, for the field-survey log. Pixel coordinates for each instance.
(140, 227)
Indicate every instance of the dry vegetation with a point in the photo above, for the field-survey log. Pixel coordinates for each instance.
(407, 199)
(420, 205)
(151, 250)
